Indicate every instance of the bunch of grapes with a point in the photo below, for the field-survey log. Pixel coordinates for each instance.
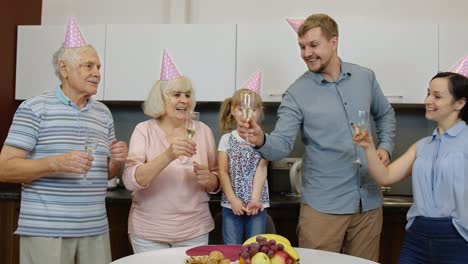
(269, 247)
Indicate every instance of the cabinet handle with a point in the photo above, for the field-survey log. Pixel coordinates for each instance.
(275, 94)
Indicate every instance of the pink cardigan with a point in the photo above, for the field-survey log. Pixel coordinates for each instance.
(173, 207)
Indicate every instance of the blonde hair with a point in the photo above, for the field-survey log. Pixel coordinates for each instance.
(326, 23)
(227, 122)
(155, 106)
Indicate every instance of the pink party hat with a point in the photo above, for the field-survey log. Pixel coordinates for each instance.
(73, 37)
(253, 83)
(295, 23)
(168, 69)
(461, 67)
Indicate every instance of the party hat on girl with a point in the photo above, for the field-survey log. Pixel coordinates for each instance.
(295, 23)
(254, 82)
(168, 69)
(73, 37)
(461, 67)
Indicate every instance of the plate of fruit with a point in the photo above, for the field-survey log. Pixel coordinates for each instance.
(268, 249)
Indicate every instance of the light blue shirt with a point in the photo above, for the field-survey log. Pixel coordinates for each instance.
(324, 112)
(440, 178)
(60, 205)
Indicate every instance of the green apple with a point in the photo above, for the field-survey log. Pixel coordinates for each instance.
(260, 258)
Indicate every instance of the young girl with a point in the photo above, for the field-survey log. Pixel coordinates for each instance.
(242, 173)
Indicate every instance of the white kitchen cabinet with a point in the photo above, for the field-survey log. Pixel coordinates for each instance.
(453, 45)
(272, 49)
(35, 48)
(403, 56)
(203, 53)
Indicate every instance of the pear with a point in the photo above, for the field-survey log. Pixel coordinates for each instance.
(260, 258)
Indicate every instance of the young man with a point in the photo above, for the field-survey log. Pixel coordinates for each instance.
(341, 208)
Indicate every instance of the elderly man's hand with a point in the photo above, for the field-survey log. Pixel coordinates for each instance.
(72, 162)
(119, 151)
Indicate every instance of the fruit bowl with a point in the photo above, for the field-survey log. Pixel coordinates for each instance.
(268, 249)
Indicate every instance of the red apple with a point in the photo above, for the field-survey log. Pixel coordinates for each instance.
(281, 257)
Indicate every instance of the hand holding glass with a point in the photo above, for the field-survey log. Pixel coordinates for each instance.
(361, 128)
(91, 143)
(247, 106)
(191, 124)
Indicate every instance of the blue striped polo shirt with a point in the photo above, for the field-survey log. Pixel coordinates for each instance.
(60, 205)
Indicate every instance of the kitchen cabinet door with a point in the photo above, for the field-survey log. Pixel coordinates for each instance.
(403, 56)
(453, 45)
(36, 45)
(203, 53)
(272, 49)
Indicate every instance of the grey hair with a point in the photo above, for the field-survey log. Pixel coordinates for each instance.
(68, 55)
(155, 106)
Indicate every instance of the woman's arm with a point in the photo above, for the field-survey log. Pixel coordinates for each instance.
(395, 171)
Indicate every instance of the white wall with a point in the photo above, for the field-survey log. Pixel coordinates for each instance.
(250, 11)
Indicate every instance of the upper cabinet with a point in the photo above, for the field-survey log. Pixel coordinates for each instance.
(404, 57)
(203, 53)
(219, 58)
(272, 49)
(453, 43)
(35, 73)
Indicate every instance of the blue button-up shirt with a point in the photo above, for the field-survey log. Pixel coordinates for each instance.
(440, 177)
(324, 112)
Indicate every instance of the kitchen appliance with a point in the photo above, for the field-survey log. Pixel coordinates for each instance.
(284, 176)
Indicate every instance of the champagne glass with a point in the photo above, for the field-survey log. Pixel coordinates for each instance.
(247, 106)
(91, 143)
(191, 124)
(361, 127)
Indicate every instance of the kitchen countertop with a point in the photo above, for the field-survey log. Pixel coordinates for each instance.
(277, 200)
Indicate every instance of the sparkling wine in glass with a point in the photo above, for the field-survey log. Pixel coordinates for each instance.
(91, 143)
(247, 106)
(361, 128)
(191, 124)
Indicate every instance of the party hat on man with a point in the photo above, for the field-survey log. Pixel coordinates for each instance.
(461, 67)
(168, 69)
(253, 83)
(73, 37)
(295, 23)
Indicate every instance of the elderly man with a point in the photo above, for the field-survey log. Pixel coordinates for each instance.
(63, 216)
(341, 207)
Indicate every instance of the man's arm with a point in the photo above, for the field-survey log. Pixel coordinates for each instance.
(15, 168)
(384, 118)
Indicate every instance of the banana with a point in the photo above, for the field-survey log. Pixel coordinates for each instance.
(292, 252)
(276, 237)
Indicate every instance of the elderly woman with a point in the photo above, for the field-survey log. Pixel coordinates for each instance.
(170, 198)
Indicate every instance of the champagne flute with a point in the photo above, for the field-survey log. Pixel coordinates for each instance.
(361, 127)
(247, 106)
(91, 143)
(191, 124)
